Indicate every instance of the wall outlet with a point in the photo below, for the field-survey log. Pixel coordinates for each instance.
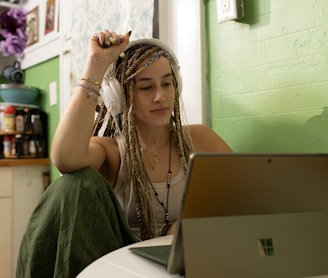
(230, 10)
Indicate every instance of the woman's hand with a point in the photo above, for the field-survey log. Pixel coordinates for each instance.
(105, 47)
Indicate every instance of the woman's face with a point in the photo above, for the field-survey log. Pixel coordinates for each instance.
(154, 94)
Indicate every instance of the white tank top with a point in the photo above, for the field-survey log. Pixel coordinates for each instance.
(128, 202)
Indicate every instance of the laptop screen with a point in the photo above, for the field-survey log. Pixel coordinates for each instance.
(245, 184)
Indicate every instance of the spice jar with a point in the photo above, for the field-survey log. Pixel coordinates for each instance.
(7, 140)
(2, 114)
(19, 120)
(9, 119)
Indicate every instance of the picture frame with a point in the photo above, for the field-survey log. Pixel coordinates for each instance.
(50, 21)
(32, 26)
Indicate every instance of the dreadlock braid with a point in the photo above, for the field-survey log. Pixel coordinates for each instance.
(134, 159)
(135, 167)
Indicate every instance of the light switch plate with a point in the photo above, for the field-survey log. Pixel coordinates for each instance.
(53, 93)
(229, 10)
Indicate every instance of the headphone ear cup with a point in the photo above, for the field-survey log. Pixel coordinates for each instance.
(112, 95)
(112, 98)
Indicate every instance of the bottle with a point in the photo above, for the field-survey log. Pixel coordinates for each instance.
(1, 117)
(19, 120)
(13, 146)
(32, 145)
(25, 142)
(1, 147)
(7, 146)
(19, 147)
(9, 119)
(35, 119)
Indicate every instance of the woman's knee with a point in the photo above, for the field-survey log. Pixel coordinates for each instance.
(83, 178)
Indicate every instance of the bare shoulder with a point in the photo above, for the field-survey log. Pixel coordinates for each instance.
(206, 140)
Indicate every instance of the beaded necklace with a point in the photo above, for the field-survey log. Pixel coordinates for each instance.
(166, 226)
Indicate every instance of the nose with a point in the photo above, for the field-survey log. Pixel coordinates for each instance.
(159, 94)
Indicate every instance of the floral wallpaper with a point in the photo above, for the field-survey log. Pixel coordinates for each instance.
(90, 16)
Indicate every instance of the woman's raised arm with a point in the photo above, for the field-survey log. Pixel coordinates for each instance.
(71, 149)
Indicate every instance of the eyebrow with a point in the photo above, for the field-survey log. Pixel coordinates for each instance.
(149, 78)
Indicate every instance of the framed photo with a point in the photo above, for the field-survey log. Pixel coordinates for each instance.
(50, 17)
(32, 26)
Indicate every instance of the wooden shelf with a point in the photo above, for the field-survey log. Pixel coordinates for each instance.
(24, 146)
(11, 133)
(24, 161)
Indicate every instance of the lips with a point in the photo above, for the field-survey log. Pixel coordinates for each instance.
(159, 110)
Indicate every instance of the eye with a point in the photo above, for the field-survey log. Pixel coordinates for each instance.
(146, 88)
(167, 84)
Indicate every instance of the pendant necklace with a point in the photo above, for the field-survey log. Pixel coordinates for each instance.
(166, 226)
(152, 161)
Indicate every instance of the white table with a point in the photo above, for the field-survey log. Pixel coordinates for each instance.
(123, 263)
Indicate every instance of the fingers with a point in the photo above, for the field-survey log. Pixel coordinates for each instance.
(107, 38)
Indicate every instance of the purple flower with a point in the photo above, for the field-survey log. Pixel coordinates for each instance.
(13, 35)
(13, 45)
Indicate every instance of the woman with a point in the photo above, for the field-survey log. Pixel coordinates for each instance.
(141, 152)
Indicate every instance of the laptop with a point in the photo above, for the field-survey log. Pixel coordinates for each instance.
(251, 215)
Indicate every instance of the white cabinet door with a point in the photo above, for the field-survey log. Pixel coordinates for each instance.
(21, 188)
(27, 190)
(5, 221)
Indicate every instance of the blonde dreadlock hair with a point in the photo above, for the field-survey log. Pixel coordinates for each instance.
(116, 118)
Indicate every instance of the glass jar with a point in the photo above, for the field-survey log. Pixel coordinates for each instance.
(2, 114)
(19, 120)
(9, 119)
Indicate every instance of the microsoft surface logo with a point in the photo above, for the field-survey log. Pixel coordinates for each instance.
(265, 247)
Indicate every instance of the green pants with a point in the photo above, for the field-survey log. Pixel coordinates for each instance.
(77, 220)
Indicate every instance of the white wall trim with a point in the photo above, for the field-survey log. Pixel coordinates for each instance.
(180, 26)
(42, 51)
(48, 45)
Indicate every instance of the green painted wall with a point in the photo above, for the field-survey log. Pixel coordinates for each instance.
(41, 76)
(268, 76)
